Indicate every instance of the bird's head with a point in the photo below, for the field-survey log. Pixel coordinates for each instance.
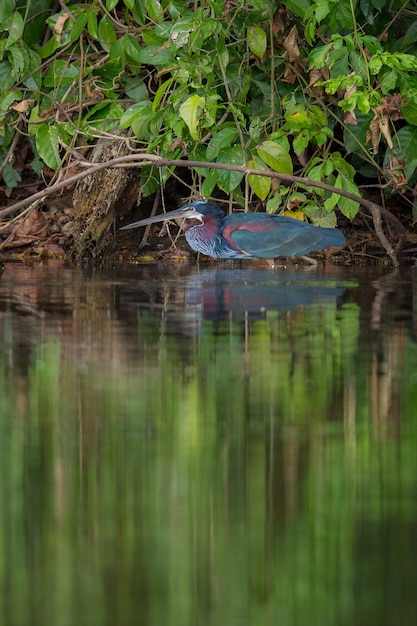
(197, 212)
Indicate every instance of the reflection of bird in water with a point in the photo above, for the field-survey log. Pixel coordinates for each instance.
(247, 235)
(216, 293)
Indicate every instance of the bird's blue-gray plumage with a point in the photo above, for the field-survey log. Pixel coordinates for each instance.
(248, 235)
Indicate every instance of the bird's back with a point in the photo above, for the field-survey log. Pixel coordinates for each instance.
(267, 236)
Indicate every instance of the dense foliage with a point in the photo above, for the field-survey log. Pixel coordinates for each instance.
(324, 89)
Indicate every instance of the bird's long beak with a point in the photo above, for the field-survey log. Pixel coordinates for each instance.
(184, 212)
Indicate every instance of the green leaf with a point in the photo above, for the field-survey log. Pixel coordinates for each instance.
(117, 52)
(274, 203)
(260, 185)
(229, 180)
(318, 56)
(6, 78)
(379, 4)
(331, 202)
(316, 172)
(155, 55)
(160, 93)
(388, 81)
(256, 40)
(47, 145)
(299, 7)
(222, 51)
(318, 216)
(409, 110)
(358, 63)
(140, 125)
(322, 10)
(149, 181)
(61, 73)
(155, 10)
(14, 25)
(17, 59)
(136, 89)
(354, 137)
(33, 80)
(110, 4)
(48, 49)
(181, 33)
(78, 26)
(8, 99)
(346, 205)
(132, 48)
(372, 43)
(301, 141)
(6, 7)
(106, 33)
(339, 61)
(275, 156)
(209, 183)
(92, 25)
(10, 176)
(34, 13)
(134, 111)
(223, 139)
(343, 11)
(190, 111)
(375, 64)
(310, 31)
(405, 146)
(173, 121)
(410, 36)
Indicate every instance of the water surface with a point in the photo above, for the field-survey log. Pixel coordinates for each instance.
(224, 445)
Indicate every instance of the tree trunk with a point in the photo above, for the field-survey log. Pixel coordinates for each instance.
(96, 197)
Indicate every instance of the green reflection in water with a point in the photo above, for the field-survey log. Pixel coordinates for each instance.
(254, 472)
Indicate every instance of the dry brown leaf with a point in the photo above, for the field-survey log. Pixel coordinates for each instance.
(23, 106)
(277, 24)
(391, 106)
(349, 118)
(289, 75)
(33, 228)
(35, 224)
(317, 75)
(275, 184)
(294, 202)
(383, 123)
(303, 158)
(291, 50)
(373, 135)
(395, 168)
(59, 25)
(227, 8)
(349, 91)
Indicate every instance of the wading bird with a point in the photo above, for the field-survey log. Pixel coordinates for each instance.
(246, 235)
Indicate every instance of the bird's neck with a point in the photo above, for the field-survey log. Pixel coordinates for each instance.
(205, 237)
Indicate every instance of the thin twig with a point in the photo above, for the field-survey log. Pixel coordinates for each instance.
(11, 150)
(155, 206)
